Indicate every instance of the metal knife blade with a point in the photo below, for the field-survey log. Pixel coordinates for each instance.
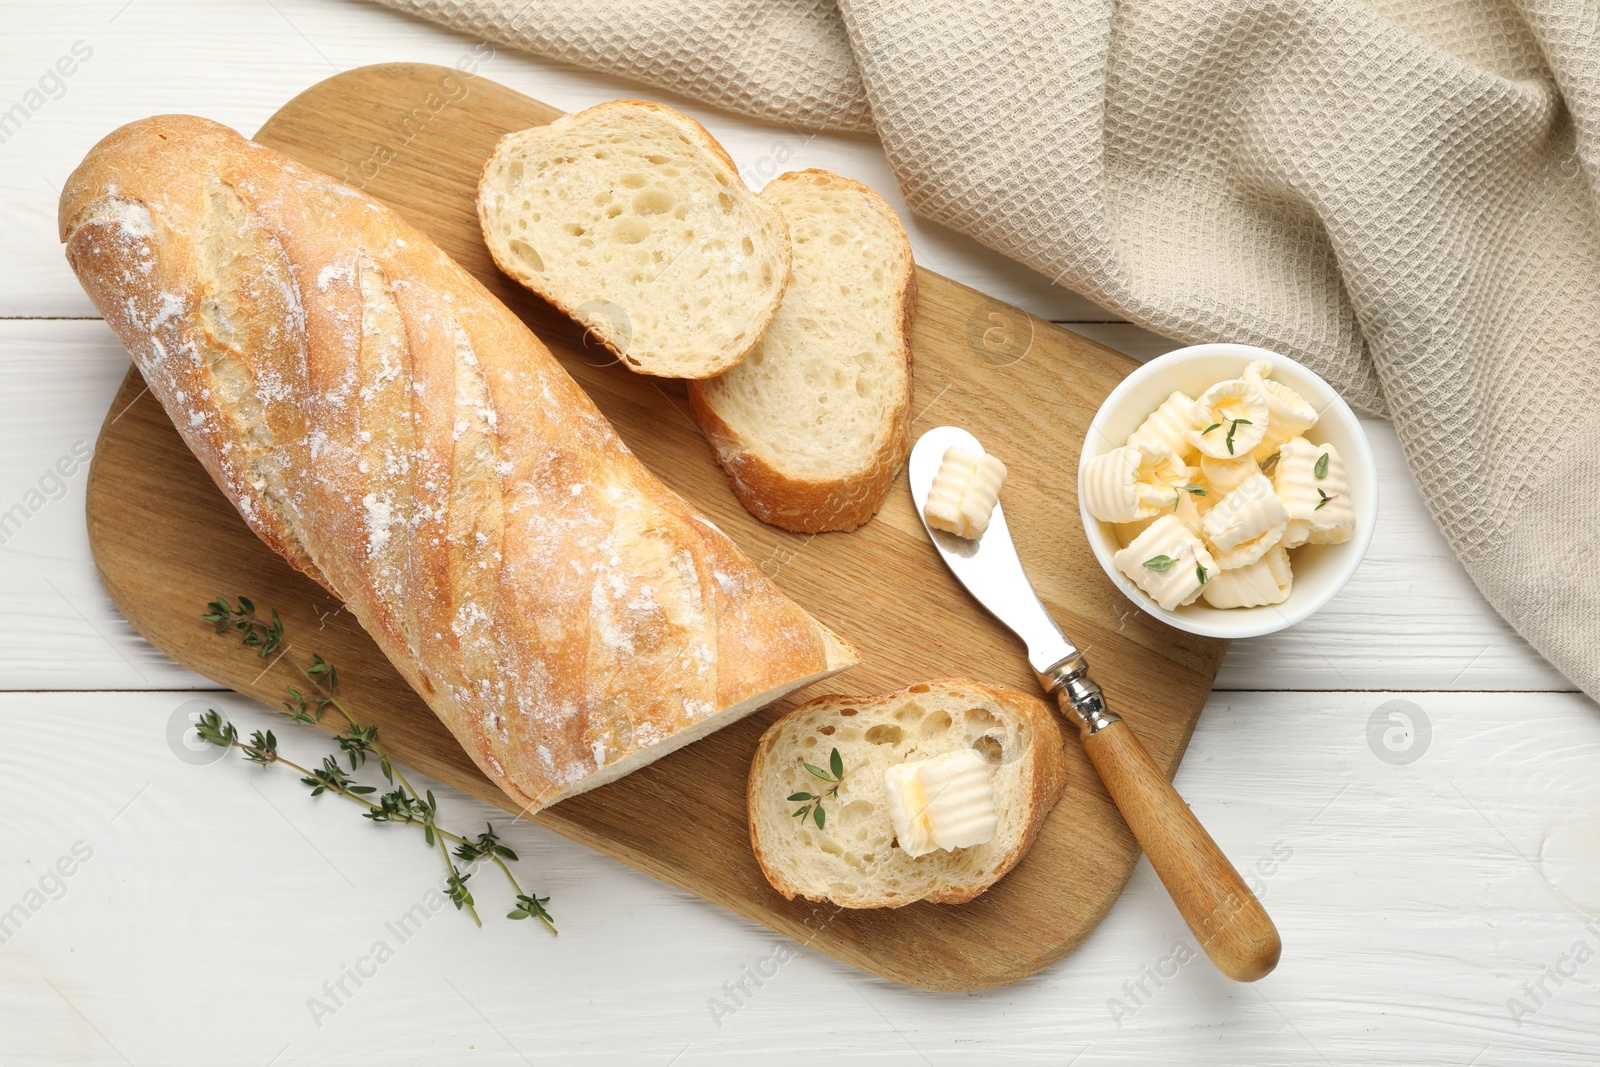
(988, 567)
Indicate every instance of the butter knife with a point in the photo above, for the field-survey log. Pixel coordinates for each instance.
(1232, 927)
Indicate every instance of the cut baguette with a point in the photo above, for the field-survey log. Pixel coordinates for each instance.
(392, 430)
(814, 425)
(630, 218)
(854, 861)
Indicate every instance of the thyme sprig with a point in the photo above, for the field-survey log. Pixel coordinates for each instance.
(834, 776)
(401, 804)
(488, 847)
(1163, 563)
(1233, 427)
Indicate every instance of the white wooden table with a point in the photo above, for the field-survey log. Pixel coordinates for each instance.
(1438, 891)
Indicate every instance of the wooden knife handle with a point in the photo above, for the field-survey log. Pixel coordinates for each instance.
(1233, 928)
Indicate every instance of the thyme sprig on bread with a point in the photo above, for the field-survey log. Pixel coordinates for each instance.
(834, 776)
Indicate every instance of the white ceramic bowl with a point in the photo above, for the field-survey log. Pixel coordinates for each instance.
(1320, 571)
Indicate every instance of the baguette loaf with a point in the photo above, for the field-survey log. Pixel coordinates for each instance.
(631, 218)
(385, 424)
(815, 423)
(854, 859)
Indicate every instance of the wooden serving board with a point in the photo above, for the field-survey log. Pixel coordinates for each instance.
(166, 541)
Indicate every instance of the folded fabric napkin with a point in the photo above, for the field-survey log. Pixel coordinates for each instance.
(1401, 194)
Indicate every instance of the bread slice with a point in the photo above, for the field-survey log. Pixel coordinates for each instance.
(630, 218)
(855, 861)
(814, 425)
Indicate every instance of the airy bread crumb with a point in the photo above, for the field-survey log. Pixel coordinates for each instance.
(632, 219)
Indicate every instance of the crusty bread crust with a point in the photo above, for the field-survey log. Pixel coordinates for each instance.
(788, 498)
(391, 429)
(1034, 780)
(712, 360)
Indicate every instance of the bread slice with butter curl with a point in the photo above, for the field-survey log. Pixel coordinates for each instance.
(853, 859)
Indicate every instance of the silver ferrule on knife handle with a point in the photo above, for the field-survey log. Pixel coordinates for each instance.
(1080, 698)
